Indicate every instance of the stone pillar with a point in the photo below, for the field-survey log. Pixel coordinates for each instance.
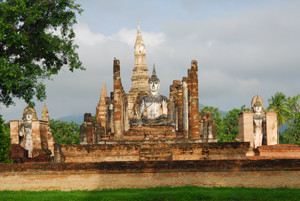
(44, 134)
(14, 131)
(51, 142)
(271, 127)
(246, 127)
(185, 107)
(194, 100)
(117, 101)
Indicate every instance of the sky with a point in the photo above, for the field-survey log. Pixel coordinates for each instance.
(243, 48)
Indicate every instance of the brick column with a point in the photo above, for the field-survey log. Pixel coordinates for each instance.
(194, 100)
(36, 134)
(171, 104)
(189, 102)
(117, 101)
(246, 128)
(180, 107)
(271, 127)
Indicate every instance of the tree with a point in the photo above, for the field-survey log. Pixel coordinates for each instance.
(36, 42)
(278, 103)
(292, 134)
(231, 124)
(4, 142)
(64, 132)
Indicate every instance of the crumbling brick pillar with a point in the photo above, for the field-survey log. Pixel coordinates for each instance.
(271, 127)
(171, 104)
(194, 100)
(180, 107)
(185, 106)
(117, 101)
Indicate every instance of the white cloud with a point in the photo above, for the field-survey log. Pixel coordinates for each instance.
(250, 51)
(86, 37)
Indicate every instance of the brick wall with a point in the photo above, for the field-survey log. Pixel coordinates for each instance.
(96, 176)
(153, 151)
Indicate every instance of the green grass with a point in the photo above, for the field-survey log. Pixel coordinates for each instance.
(160, 193)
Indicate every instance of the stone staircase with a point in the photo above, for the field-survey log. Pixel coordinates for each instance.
(155, 152)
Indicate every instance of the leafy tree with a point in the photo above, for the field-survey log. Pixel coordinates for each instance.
(216, 116)
(64, 132)
(231, 124)
(278, 103)
(292, 134)
(227, 128)
(4, 142)
(36, 41)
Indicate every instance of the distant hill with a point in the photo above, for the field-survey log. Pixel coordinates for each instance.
(78, 118)
(223, 113)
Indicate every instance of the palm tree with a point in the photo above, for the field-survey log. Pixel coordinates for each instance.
(278, 103)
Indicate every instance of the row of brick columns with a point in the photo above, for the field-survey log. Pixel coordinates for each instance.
(183, 105)
(184, 97)
(177, 104)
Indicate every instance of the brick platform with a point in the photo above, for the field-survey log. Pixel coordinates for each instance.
(152, 150)
(96, 176)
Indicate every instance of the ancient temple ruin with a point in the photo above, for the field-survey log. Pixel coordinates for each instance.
(120, 116)
(32, 139)
(146, 139)
(144, 125)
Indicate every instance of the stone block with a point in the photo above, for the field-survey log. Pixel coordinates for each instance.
(246, 127)
(271, 127)
(14, 131)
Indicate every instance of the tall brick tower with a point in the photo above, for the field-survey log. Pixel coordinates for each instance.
(140, 75)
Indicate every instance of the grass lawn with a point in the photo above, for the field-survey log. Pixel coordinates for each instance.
(160, 193)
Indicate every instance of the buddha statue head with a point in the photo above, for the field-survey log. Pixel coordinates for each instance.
(154, 82)
(28, 115)
(257, 107)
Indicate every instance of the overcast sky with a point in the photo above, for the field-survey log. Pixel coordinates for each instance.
(243, 48)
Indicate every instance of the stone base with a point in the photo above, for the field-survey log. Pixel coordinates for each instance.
(160, 121)
(250, 152)
(155, 150)
(150, 133)
(19, 155)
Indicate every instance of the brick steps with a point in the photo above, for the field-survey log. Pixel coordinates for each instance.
(154, 152)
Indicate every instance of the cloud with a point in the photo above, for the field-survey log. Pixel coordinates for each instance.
(242, 49)
(84, 36)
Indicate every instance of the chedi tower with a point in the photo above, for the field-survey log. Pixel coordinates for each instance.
(139, 78)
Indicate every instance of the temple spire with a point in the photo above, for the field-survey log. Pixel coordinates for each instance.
(102, 92)
(153, 71)
(45, 113)
(139, 40)
(105, 93)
